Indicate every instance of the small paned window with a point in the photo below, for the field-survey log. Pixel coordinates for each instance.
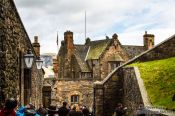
(74, 98)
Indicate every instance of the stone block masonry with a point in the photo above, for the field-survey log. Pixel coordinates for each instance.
(67, 88)
(132, 95)
(14, 42)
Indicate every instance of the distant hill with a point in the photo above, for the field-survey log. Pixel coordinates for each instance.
(48, 59)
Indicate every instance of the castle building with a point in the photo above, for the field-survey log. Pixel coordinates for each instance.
(79, 66)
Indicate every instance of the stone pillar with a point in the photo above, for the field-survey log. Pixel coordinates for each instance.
(98, 98)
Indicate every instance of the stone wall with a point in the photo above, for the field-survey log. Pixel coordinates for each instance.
(14, 43)
(132, 97)
(65, 88)
(120, 87)
(112, 94)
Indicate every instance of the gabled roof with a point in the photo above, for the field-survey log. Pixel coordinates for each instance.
(80, 54)
(97, 48)
(132, 50)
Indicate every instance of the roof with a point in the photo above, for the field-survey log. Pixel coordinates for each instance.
(132, 50)
(97, 48)
(80, 54)
(115, 57)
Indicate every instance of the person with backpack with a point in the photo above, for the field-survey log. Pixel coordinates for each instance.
(28, 110)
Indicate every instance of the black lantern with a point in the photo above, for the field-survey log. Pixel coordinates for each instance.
(39, 63)
(28, 58)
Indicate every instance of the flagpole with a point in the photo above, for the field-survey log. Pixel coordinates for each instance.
(57, 42)
(85, 26)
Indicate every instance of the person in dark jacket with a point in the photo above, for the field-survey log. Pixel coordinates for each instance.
(63, 111)
(75, 111)
(52, 111)
(85, 111)
(9, 109)
(42, 111)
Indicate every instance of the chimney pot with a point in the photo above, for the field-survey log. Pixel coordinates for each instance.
(35, 39)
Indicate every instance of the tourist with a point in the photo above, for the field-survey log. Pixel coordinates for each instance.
(9, 109)
(42, 111)
(120, 110)
(28, 110)
(52, 111)
(75, 111)
(63, 111)
(85, 111)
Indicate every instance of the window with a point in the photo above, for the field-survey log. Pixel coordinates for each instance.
(74, 98)
(112, 65)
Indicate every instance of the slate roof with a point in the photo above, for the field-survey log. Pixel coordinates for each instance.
(132, 50)
(80, 54)
(97, 48)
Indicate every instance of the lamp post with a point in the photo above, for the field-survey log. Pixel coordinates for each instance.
(29, 58)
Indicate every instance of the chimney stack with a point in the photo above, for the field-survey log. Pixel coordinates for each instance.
(68, 38)
(148, 40)
(36, 46)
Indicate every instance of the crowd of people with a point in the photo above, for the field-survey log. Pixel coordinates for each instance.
(10, 109)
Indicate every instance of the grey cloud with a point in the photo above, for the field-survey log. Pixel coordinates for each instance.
(45, 17)
(32, 3)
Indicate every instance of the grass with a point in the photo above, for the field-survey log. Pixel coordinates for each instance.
(159, 80)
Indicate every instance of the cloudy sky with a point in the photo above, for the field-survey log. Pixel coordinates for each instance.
(128, 18)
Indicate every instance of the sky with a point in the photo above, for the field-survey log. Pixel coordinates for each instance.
(129, 19)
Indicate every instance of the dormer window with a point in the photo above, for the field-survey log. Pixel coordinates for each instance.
(113, 64)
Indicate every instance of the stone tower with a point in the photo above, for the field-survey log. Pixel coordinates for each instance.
(148, 40)
(69, 52)
(36, 46)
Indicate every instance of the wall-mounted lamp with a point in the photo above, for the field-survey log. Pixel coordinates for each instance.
(29, 57)
(39, 63)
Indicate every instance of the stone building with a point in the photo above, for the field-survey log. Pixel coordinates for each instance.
(79, 66)
(15, 79)
(124, 84)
